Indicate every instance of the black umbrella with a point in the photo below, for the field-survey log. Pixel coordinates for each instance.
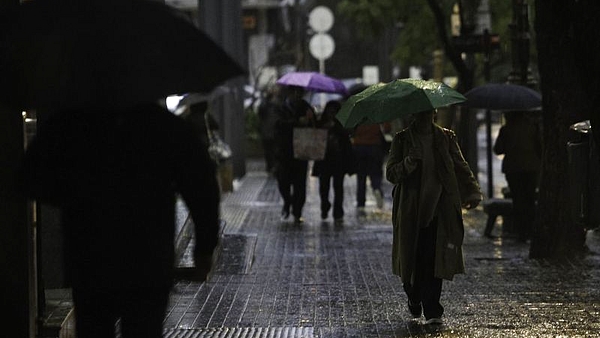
(503, 96)
(500, 96)
(64, 54)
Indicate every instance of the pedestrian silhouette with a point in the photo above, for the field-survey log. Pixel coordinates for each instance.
(115, 176)
(369, 149)
(199, 115)
(291, 172)
(267, 114)
(519, 140)
(338, 161)
(431, 181)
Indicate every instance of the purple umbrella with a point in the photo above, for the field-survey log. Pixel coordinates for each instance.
(313, 81)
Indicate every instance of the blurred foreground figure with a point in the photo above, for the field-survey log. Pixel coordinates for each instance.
(115, 176)
(432, 181)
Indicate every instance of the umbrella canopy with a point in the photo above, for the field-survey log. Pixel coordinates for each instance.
(63, 54)
(388, 101)
(313, 81)
(503, 96)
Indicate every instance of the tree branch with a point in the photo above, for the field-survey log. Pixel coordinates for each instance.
(464, 73)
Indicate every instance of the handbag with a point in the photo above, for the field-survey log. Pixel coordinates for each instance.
(218, 149)
(310, 143)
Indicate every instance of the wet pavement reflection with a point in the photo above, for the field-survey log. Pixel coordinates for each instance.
(319, 279)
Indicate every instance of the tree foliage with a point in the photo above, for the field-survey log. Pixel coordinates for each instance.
(370, 16)
(417, 40)
(425, 27)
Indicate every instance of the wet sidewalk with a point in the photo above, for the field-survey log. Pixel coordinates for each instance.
(318, 279)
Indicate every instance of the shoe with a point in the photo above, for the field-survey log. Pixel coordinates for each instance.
(434, 321)
(285, 213)
(298, 220)
(378, 198)
(415, 310)
(360, 212)
(325, 207)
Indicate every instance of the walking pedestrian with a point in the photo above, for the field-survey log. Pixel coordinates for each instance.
(267, 114)
(200, 116)
(115, 176)
(291, 172)
(431, 181)
(338, 161)
(368, 143)
(520, 142)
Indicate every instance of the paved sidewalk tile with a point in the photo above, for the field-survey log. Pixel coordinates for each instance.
(318, 279)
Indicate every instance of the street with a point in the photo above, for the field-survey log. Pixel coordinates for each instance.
(277, 279)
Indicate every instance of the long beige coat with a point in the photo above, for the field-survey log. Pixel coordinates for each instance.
(459, 185)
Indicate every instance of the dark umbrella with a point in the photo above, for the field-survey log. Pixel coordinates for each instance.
(62, 54)
(313, 81)
(500, 96)
(356, 88)
(503, 96)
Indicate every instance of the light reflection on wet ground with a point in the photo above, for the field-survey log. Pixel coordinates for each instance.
(336, 280)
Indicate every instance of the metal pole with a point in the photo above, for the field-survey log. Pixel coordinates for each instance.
(520, 38)
(322, 71)
(488, 116)
(490, 171)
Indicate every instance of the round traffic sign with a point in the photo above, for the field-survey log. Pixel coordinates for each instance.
(321, 46)
(320, 19)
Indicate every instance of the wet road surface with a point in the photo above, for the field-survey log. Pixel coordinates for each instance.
(318, 279)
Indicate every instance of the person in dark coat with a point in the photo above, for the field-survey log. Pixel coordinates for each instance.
(337, 163)
(115, 176)
(291, 172)
(267, 114)
(199, 115)
(431, 181)
(521, 143)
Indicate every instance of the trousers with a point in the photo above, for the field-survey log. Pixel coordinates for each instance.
(338, 194)
(291, 182)
(425, 288)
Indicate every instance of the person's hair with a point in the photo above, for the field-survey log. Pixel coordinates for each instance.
(294, 91)
(511, 116)
(331, 108)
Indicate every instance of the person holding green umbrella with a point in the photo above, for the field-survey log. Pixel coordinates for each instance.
(432, 181)
(383, 102)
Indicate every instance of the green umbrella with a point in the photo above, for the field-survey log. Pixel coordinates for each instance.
(388, 101)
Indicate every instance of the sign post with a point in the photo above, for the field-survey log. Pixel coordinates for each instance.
(321, 45)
